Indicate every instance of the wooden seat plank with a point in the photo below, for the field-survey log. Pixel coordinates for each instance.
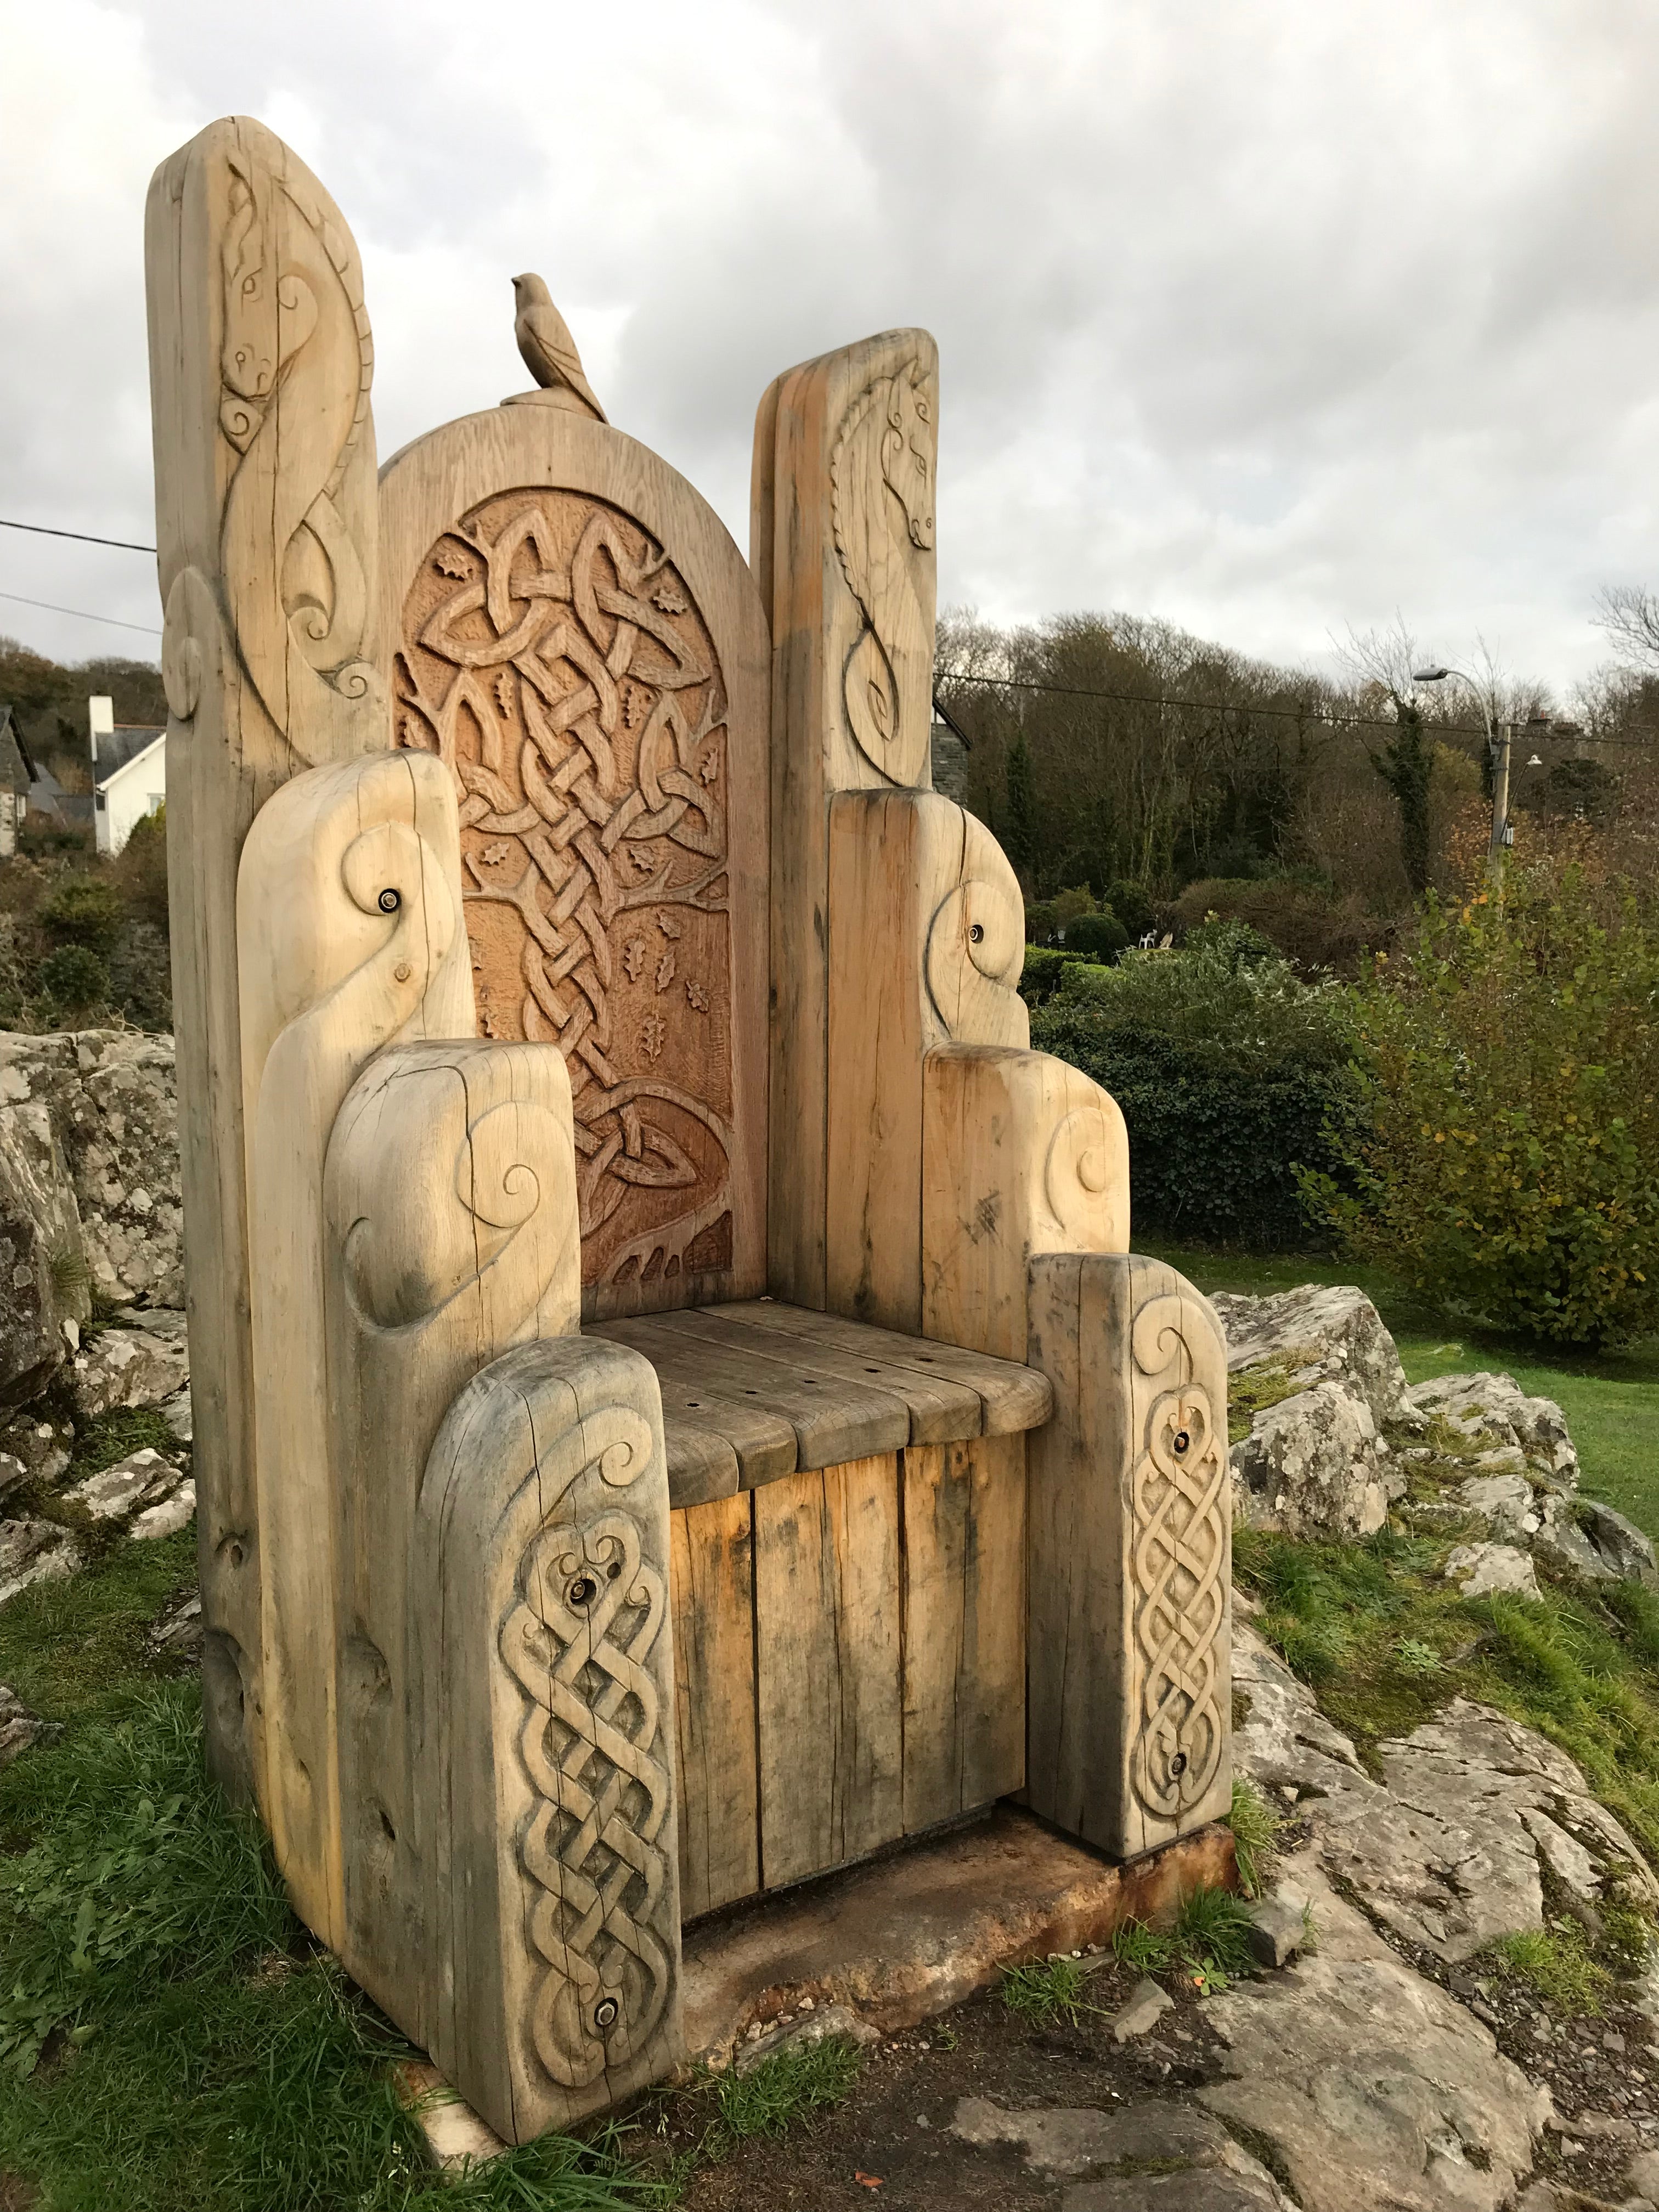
(763, 1439)
(1014, 1397)
(942, 1409)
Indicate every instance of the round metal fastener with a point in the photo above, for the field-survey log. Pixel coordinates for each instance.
(606, 2014)
(1182, 1440)
(390, 900)
(1178, 1764)
(583, 1590)
(403, 971)
(976, 933)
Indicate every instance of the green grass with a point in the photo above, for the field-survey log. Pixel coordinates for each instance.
(1254, 1825)
(1208, 1944)
(1045, 1990)
(1558, 1965)
(194, 2047)
(1611, 1399)
(802, 2078)
(1387, 1642)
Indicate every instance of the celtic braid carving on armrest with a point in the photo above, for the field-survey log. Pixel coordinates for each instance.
(545, 1694)
(1181, 1507)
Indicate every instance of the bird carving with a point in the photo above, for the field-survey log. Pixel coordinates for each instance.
(545, 340)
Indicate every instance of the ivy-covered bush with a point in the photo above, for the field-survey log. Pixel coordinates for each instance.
(1510, 1162)
(1232, 1074)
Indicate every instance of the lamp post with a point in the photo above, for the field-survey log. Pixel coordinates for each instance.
(1497, 748)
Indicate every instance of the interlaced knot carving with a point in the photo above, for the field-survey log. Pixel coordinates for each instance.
(554, 659)
(1180, 1564)
(589, 1610)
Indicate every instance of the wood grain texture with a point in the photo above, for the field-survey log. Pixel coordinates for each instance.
(545, 1693)
(826, 1618)
(965, 1627)
(1021, 1154)
(698, 1391)
(266, 546)
(713, 1592)
(1130, 1555)
(348, 934)
(842, 533)
(927, 941)
(1012, 1396)
(450, 1197)
(578, 640)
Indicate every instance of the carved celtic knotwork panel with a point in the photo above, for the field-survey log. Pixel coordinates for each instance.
(1179, 1503)
(554, 658)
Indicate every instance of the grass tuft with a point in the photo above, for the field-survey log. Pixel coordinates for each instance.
(1045, 1990)
(1558, 1965)
(1209, 1944)
(802, 2078)
(1254, 1825)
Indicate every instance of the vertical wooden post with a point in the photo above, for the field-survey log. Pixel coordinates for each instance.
(841, 544)
(260, 361)
(1129, 1683)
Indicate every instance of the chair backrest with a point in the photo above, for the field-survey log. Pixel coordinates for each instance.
(571, 628)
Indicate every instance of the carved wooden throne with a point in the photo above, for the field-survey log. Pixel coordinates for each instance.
(675, 1411)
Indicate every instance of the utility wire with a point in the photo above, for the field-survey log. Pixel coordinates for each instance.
(80, 614)
(1235, 707)
(82, 537)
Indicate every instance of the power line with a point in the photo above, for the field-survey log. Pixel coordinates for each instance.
(1238, 707)
(80, 614)
(82, 537)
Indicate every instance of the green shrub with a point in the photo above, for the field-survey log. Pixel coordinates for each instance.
(74, 978)
(1509, 1159)
(1096, 936)
(1133, 907)
(85, 911)
(1233, 1077)
(1041, 973)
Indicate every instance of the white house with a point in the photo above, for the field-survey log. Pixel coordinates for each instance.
(129, 774)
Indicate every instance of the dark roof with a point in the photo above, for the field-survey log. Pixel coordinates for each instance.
(16, 768)
(118, 746)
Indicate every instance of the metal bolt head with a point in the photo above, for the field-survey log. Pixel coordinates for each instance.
(390, 900)
(606, 2014)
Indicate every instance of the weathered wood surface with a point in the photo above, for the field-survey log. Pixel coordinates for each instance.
(927, 941)
(713, 1594)
(349, 934)
(841, 544)
(965, 1627)
(546, 1692)
(1022, 1154)
(828, 1645)
(755, 1391)
(1130, 1555)
(574, 633)
(265, 535)
(450, 1198)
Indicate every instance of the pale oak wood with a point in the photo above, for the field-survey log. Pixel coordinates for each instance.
(927, 941)
(826, 1618)
(842, 535)
(265, 535)
(712, 1589)
(761, 1439)
(348, 934)
(452, 1235)
(1130, 1555)
(965, 1627)
(1022, 1154)
(1012, 1396)
(545, 1693)
(577, 637)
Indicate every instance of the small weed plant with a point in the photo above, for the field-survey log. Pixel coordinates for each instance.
(1557, 1964)
(1254, 1825)
(1046, 1991)
(1207, 1947)
(800, 2079)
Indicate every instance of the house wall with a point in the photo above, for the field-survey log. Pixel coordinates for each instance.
(134, 790)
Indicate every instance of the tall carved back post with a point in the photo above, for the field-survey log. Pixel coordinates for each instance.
(260, 359)
(576, 638)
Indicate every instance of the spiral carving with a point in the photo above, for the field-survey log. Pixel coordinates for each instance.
(1081, 1172)
(587, 1612)
(976, 948)
(882, 473)
(1181, 1505)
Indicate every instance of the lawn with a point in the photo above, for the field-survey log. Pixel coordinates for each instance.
(1611, 1400)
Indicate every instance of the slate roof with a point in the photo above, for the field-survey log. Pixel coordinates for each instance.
(118, 746)
(16, 768)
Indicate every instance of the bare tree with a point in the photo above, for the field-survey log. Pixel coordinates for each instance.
(1630, 615)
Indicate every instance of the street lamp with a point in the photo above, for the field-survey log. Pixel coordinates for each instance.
(1497, 748)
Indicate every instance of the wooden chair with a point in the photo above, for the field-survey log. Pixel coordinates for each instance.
(675, 1410)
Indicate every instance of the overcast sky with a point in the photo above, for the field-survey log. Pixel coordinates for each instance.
(1269, 316)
